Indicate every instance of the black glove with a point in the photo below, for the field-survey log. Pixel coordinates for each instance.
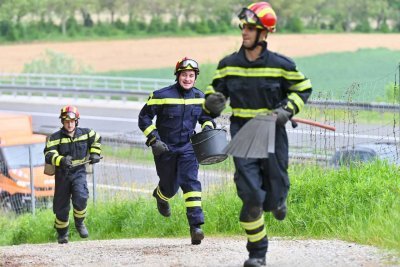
(215, 104)
(283, 115)
(207, 128)
(159, 147)
(94, 158)
(66, 162)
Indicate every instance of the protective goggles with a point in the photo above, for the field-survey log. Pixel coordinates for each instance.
(248, 16)
(69, 116)
(188, 63)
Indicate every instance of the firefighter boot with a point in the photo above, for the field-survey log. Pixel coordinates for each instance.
(196, 234)
(255, 262)
(162, 205)
(280, 212)
(62, 237)
(82, 230)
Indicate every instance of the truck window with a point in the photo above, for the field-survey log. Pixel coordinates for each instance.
(18, 156)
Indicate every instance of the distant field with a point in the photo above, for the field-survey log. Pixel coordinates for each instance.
(149, 53)
(333, 61)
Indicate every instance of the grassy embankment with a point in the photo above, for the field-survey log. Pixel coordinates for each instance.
(359, 204)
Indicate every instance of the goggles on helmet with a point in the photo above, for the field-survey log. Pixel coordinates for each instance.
(248, 16)
(69, 116)
(189, 62)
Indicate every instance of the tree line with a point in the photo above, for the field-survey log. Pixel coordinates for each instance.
(22, 20)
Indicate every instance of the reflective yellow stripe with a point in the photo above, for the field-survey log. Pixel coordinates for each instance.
(95, 150)
(65, 140)
(60, 224)
(192, 194)
(58, 160)
(191, 204)
(290, 106)
(175, 101)
(77, 161)
(149, 130)
(91, 133)
(161, 195)
(304, 85)
(53, 143)
(207, 123)
(258, 236)
(205, 109)
(258, 72)
(209, 90)
(297, 101)
(80, 213)
(253, 225)
(55, 152)
(80, 138)
(249, 113)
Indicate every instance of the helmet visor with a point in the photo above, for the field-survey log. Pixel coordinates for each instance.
(248, 16)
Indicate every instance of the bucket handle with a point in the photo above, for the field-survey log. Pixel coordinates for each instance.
(208, 138)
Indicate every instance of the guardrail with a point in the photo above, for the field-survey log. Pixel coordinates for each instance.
(109, 87)
(79, 85)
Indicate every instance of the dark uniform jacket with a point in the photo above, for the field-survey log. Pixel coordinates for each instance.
(262, 85)
(60, 144)
(177, 110)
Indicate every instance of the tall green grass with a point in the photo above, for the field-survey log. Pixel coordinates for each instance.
(358, 204)
(363, 74)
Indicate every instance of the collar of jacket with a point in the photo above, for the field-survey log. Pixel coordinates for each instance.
(263, 53)
(181, 90)
(64, 132)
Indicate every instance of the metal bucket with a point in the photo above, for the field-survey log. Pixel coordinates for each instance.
(209, 145)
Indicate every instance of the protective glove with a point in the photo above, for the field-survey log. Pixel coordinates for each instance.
(215, 104)
(66, 162)
(207, 128)
(94, 158)
(283, 115)
(159, 147)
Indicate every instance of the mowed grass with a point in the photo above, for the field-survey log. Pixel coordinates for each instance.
(360, 205)
(360, 76)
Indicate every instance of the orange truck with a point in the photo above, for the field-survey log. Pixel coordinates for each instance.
(20, 152)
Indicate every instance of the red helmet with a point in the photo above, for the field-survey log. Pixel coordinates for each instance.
(69, 113)
(187, 64)
(260, 14)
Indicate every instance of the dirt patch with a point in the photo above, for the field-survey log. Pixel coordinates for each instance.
(164, 52)
(178, 252)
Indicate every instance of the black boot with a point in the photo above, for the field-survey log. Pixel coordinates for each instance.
(280, 212)
(82, 230)
(255, 262)
(196, 234)
(62, 237)
(162, 205)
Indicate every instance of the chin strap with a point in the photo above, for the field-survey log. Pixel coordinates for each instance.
(261, 43)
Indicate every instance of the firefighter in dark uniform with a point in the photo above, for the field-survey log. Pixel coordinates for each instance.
(258, 81)
(66, 148)
(177, 108)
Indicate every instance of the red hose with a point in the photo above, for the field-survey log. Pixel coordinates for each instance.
(314, 123)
